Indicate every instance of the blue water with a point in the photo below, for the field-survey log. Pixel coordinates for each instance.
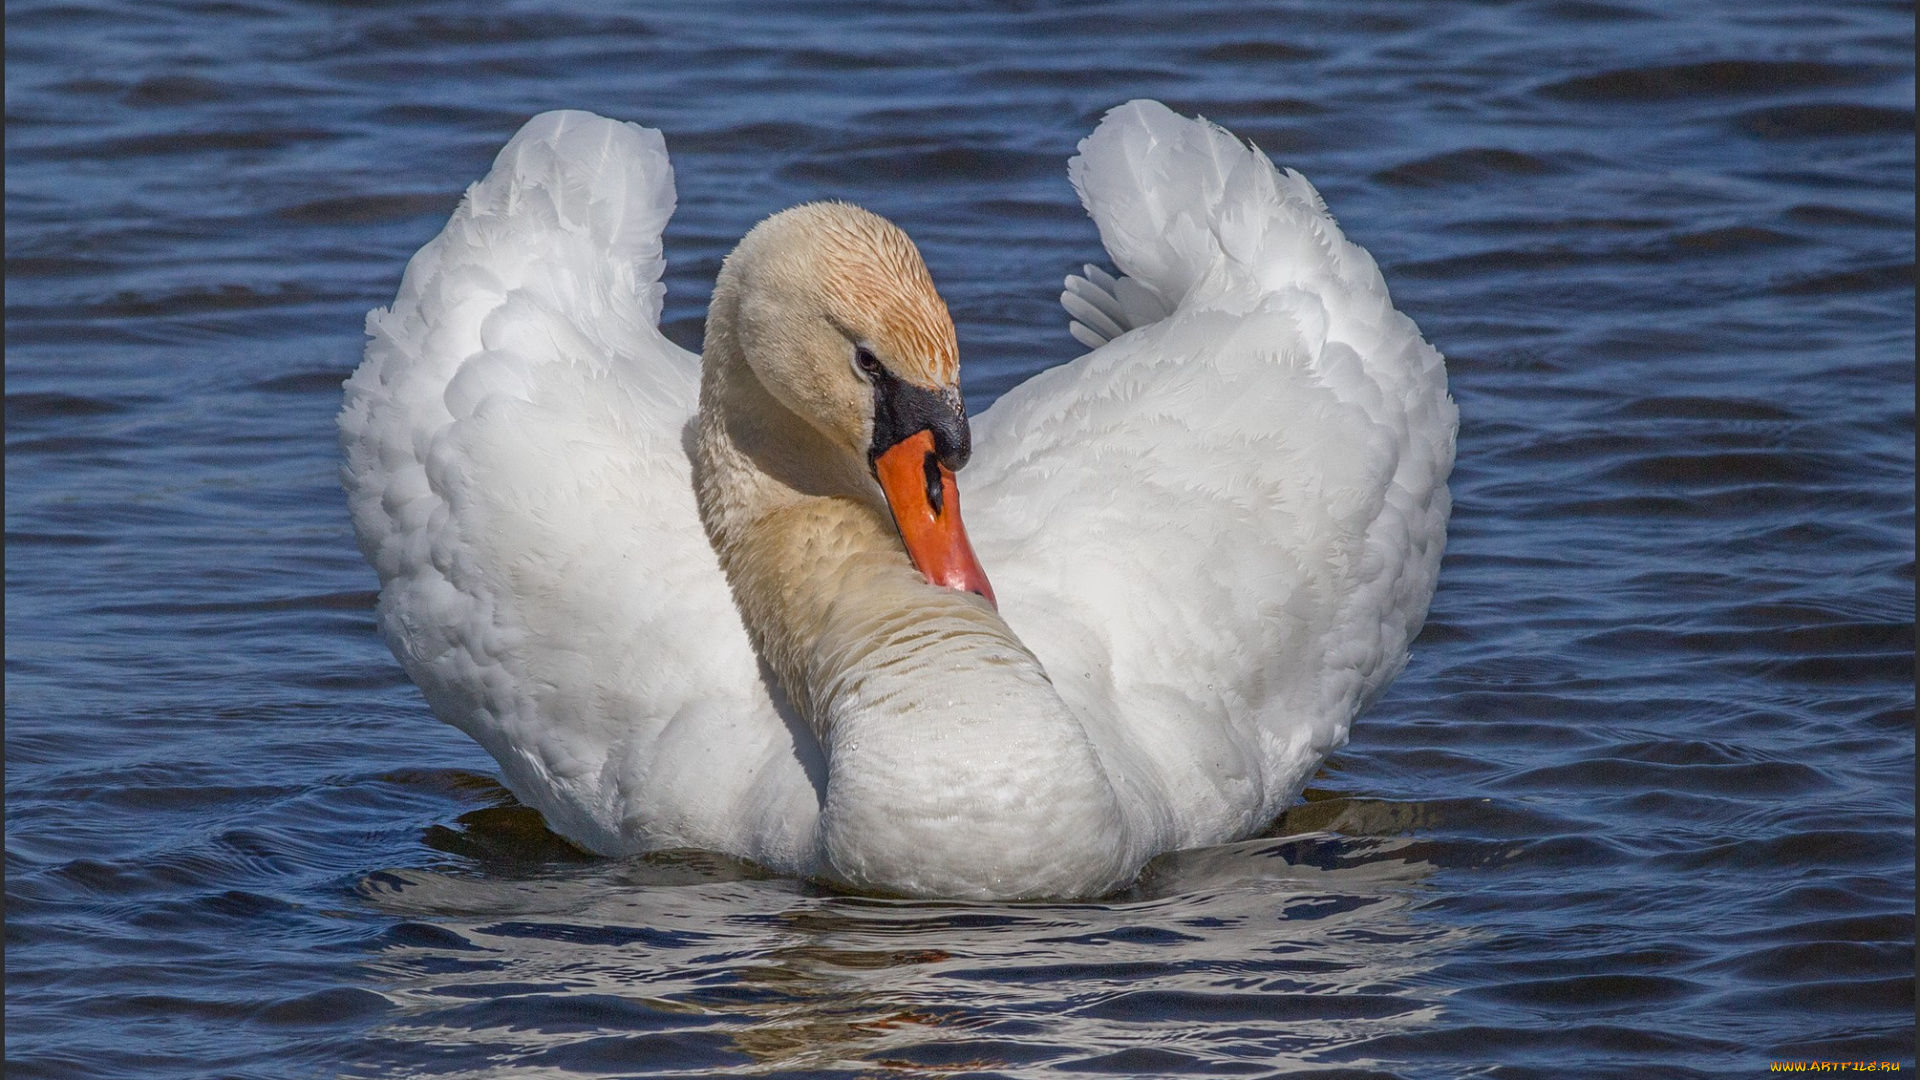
(1641, 804)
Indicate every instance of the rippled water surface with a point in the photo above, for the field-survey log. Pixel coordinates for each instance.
(1641, 804)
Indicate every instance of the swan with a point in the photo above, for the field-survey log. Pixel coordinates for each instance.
(729, 601)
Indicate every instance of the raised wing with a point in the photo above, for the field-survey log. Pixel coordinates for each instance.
(517, 474)
(1220, 529)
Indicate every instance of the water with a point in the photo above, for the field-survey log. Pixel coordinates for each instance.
(1640, 805)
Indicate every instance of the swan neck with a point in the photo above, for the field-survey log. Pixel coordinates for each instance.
(954, 768)
(785, 515)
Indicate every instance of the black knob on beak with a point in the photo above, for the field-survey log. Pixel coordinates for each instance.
(901, 410)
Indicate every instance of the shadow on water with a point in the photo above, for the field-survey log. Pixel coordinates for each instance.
(529, 955)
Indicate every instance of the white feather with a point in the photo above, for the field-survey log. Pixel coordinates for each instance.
(517, 476)
(1218, 530)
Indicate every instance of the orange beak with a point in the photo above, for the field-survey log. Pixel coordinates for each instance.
(926, 509)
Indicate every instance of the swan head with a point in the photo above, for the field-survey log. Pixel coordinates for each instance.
(833, 310)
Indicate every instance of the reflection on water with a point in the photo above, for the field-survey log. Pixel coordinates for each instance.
(1266, 951)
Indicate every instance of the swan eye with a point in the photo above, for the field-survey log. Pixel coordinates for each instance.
(868, 363)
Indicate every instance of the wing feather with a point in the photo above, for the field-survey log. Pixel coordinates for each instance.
(517, 474)
(1219, 529)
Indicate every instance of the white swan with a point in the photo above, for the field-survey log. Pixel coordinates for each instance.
(1211, 538)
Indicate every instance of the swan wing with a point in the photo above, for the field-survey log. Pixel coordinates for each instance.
(517, 471)
(1220, 529)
